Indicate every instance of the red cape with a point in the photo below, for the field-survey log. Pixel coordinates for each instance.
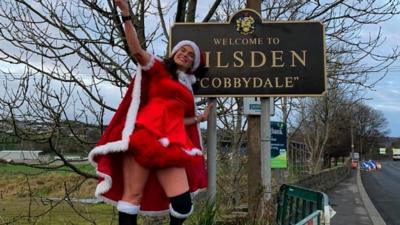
(106, 156)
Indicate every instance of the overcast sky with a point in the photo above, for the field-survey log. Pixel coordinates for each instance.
(385, 96)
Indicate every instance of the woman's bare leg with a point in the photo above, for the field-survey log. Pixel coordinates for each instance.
(175, 184)
(135, 177)
(173, 180)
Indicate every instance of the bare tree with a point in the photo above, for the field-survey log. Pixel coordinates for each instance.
(67, 66)
(371, 126)
(352, 57)
(317, 115)
(70, 62)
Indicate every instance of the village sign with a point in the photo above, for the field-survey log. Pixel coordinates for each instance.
(248, 57)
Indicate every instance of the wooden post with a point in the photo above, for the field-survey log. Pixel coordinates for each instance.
(212, 150)
(259, 152)
(254, 165)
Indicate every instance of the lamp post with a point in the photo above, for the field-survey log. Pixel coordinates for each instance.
(351, 136)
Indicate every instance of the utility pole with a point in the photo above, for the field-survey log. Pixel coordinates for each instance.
(212, 150)
(351, 136)
(259, 145)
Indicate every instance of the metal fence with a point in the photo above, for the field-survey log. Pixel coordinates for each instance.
(298, 206)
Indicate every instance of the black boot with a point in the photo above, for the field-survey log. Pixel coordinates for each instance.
(180, 208)
(175, 221)
(127, 219)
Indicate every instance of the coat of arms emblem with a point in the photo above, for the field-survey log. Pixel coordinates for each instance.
(245, 25)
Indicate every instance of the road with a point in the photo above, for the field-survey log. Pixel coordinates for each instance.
(383, 188)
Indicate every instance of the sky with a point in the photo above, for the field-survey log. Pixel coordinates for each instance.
(385, 96)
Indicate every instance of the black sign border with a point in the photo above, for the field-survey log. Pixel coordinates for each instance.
(263, 22)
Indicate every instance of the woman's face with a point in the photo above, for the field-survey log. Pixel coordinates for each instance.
(184, 58)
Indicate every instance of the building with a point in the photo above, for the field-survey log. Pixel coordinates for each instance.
(19, 155)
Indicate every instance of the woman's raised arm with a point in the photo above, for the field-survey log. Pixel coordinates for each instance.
(135, 48)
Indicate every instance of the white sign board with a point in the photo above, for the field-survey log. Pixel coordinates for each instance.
(252, 106)
(356, 156)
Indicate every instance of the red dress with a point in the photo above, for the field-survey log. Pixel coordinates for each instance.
(159, 104)
(168, 103)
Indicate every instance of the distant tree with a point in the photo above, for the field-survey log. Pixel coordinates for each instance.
(350, 59)
(370, 127)
(317, 116)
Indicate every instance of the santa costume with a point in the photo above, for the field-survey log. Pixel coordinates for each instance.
(149, 123)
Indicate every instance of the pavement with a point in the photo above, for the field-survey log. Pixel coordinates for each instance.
(352, 204)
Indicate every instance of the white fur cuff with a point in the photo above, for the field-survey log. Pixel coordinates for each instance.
(150, 63)
(194, 152)
(179, 215)
(127, 208)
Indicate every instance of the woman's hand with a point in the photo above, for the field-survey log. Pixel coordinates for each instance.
(203, 117)
(135, 48)
(123, 6)
(200, 118)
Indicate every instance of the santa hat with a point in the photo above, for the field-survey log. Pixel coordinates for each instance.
(196, 49)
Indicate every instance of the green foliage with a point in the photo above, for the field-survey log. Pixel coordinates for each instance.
(24, 169)
(206, 213)
(18, 169)
(32, 211)
(44, 191)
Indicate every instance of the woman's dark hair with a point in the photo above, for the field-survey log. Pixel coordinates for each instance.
(171, 67)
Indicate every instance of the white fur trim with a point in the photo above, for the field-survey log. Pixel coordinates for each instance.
(186, 80)
(180, 215)
(152, 213)
(123, 144)
(120, 145)
(133, 107)
(150, 63)
(164, 141)
(127, 208)
(196, 49)
(192, 78)
(104, 185)
(189, 78)
(115, 146)
(194, 151)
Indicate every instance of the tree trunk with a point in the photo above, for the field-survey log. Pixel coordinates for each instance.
(181, 11)
(191, 12)
(236, 154)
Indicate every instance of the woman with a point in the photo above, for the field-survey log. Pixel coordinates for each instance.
(149, 159)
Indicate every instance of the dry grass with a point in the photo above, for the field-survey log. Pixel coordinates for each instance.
(45, 185)
(25, 199)
(33, 211)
